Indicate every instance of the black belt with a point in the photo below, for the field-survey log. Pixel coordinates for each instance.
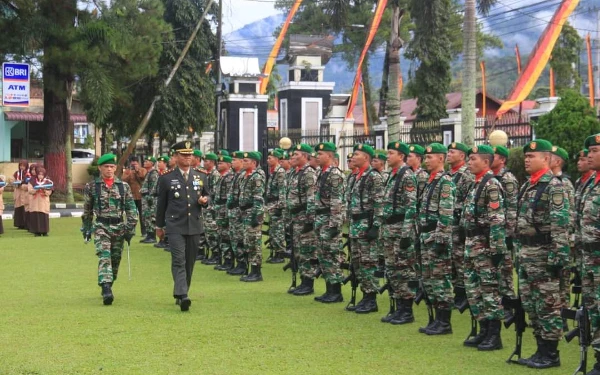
(477, 232)
(246, 207)
(109, 220)
(297, 210)
(323, 211)
(429, 227)
(592, 246)
(536, 239)
(362, 216)
(394, 219)
(272, 199)
(220, 201)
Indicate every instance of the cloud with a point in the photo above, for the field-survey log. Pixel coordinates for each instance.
(239, 13)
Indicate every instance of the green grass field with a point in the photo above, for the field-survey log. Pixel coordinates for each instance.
(53, 322)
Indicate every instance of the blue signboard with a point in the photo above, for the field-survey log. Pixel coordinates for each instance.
(15, 84)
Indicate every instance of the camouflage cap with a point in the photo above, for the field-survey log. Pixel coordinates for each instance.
(417, 149)
(399, 146)
(151, 159)
(225, 158)
(304, 148)
(164, 158)
(276, 153)
(436, 148)
(560, 152)
(107, 159)
(501, 150)
(592, 140)
(326, 146)
(380, 155)
(459, 146)
(539, 145)
(367, 149)
(198, 153)
(211, 156)
(483, 149)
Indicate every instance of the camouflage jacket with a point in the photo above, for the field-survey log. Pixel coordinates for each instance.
(437, 208)
(110, 204)
(547, 216)
(400, 200)
(366, 203)
(510, 186)
(581, 186)
(233, 196)
(213, 178)
(252, 191)
(329, 199)
(422, 177)
(570, 192)
(483, 218)
(301, 193)
(221, 193)
(149, 184)
(275, 198)
(463, 181)
(348, 184)
(590, 216)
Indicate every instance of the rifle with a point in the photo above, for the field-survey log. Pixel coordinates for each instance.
(418, 284)
(582, 330)
(576, 286)
(353, 279)
(387, 286)
(87, 235)
(293, 263)
(268, 241)
(520, 324)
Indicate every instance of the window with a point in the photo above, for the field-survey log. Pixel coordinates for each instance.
(248, 129)
(283, 115)
(312, 109)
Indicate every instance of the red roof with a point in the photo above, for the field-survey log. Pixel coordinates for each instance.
(38, 117)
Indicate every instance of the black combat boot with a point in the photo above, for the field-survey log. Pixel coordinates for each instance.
(227, 265)
(493, 340)
(596, 369)
(107, 294)
(335, 294)
(474, 341)
(370, 304)
(326, 294)
(278, 258)
(549, 356)
(214, 259)
(306, 288)
(254, 275)
(430, 324)
(534, 356)
(444, 325)
(388, 318)
(404, 314)
(150, 238)
(240, 269)
(359, 304)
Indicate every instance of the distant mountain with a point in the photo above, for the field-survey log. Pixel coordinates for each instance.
(514, 23)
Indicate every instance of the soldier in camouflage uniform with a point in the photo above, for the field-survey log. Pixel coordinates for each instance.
(210, 224)
(148, 200)
(463, 180)
(484, 224)
(543, 252)
(398, 232)
(589, 238)
(108, 199)
(221, 215)
(435, 220)
(587, 178)
(252, 208)
(236, 237)
(378, 164)
(300, 207)
(329, 211)
(275, 203)
(414, 160)
(365, 215)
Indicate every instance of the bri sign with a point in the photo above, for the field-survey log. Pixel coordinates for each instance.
(15, 84)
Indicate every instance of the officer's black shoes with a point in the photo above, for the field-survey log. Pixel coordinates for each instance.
(239, 270)
(107, 294)
(443, 326)
(493, 340)
(306, 288)
(185, 303)
(404, 313)
(535, 356)
(335, 294)
(549, 356)
(370, 304)
(474, 341)
(254, 275)
(150, 238)
(160, 245)
(326, 294)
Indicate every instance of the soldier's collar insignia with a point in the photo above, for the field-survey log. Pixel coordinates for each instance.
(532, 145)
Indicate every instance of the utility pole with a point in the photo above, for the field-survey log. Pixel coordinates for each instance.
(218, 90)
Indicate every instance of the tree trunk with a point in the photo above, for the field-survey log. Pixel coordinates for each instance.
(393, 101)
(469, 73)
(370, 115)
(56, 123)
(383, 92)
(69, 144)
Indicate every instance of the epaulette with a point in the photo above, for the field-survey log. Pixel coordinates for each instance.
(169, 170)
(200, 170)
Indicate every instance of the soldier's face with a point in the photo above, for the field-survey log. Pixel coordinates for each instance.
(324, 158)
(394, 158)
(272, 161)
(434, 161)
(498, 161)
(313, 162)
(162, 165)
(594, 157)
(236, 164)
(378, 164)
(184, 160)
(582, 164)
(535, 161)
(285, 164)
(298, 159)
(196, 161)
(413, 160)
(455, 156)
(223, 166)
(148, 164)
(247, 163)
(360, 159)
(107, 170)
(477, 164)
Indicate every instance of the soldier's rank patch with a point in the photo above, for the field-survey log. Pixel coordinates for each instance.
(510, 187)
(446, 191)
(495, 205)
(335, 181)
(259, 182)
(409, 186)
(557, 199)
(494, 195)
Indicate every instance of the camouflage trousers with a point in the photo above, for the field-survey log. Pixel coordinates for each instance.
(436, 269)
(540, 294)
(590, 280)
(458, 258)
(210, 229)
(108, 241)
(507, 286)
(401, 265)
(149, 213)
(364, 260)
(236, 234)
(482, 284)
(276, 231)
(329, 251)
(253, 243)
(305, 249)
(224, 238)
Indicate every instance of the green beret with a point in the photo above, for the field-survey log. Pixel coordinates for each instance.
(592, 140)
(380, 155)
(223, 153)
(399, 146)
(417, 149)
(539, 145)
(459, 146)
(501, 150)
(225, 158)
(313, 155)
(252, 155)
(237, 155)
(326, 146)
(436, 148)
(304, 148)
(276, 153)
(198, 153)
(183, 147)
(365, 148)
(107, 159)
(285, 155)
(164, 158)
(349, 156)
(171, 152)
(560, 152)
(483, 149)
(337, 156)
(211, 156)
(582, 153)
(151, 158)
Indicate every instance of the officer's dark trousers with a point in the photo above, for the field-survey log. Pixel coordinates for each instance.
(184, 249)
(138, 205)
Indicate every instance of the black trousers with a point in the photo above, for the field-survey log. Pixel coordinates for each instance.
(184, 249)
(138, 205)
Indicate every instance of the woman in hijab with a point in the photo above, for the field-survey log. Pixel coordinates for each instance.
(40, 188)
(20, 193)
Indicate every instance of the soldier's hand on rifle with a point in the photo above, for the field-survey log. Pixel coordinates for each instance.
(497, 259)
(373, 233)
(405, 243)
